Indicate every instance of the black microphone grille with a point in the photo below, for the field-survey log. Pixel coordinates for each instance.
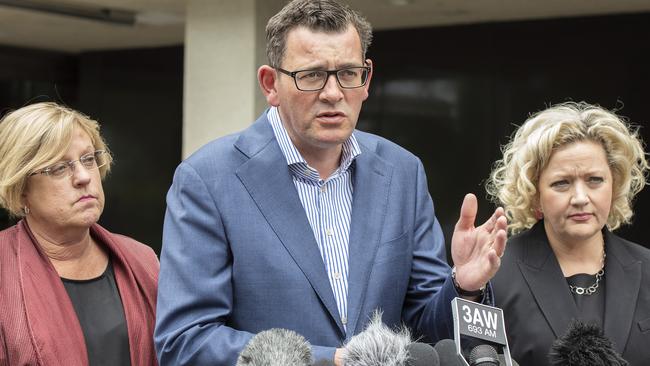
(483, 355)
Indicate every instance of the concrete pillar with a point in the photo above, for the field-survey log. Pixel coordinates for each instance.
(224, 45)
(265, 9)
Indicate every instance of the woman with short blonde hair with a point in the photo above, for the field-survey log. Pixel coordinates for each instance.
(71, 292)
(567, 178)
(514, 180)
(37, 135)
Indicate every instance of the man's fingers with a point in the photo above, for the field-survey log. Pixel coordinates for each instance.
(500, 234)
(467, 213)
(493, 221)
(495, 263)
(489, 224)
(499, 243)
(502, 221)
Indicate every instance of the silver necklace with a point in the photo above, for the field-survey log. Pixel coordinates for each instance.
(594, 286)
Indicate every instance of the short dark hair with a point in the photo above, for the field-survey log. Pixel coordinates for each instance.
(317, 15)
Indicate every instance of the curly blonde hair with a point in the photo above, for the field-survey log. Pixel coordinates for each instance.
(513, 181)
(34, 137)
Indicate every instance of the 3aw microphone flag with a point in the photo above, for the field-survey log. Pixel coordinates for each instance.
(480, 321)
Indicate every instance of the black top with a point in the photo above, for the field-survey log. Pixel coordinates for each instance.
(99, 309)
(591, 307)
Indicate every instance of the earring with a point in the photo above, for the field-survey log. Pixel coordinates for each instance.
(26, 210)
(539, 214)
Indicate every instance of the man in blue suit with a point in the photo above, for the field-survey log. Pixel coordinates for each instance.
(302, 222)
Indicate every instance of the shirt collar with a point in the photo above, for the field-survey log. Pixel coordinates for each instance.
(350, 149)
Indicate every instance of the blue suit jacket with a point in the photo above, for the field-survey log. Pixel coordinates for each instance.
(239, 255)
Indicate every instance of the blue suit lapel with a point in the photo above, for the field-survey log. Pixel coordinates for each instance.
(267, 179)
(372, 177)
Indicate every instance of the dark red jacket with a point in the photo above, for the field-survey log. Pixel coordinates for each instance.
(38, 324)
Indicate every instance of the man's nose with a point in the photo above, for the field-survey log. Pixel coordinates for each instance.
(331, 92)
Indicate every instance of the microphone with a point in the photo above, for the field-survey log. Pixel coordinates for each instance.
(584, 345)
(378, 345)
(483, 355)
(479, 323)
(422, 354)
(276, 347)
(448, 355)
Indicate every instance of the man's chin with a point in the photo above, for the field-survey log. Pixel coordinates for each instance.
(328, 143)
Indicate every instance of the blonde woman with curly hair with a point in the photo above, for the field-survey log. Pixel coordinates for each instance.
(567, 179)
(71, 292)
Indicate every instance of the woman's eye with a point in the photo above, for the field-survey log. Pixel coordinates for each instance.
(88, 161)
(560, 184)
(58, 169)
(596, 179)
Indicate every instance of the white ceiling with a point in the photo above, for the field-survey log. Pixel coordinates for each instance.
(34, 29)
(161, 22)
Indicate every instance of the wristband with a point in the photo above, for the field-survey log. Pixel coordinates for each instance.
(463, 292)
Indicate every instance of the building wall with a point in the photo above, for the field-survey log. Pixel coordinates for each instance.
(136, 95)
(451, 95)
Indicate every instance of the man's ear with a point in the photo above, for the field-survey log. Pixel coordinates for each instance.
(266, 76)
(367, 86)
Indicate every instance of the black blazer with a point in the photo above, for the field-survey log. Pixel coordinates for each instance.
(538, 306)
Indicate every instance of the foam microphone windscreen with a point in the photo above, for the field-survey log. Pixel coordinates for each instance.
(276, 347)
(584, 345)
(377, 345)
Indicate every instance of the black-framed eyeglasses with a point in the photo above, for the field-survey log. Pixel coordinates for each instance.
(92, 160)
(313, 80)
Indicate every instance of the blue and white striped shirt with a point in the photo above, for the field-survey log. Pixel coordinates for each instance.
(328, 205)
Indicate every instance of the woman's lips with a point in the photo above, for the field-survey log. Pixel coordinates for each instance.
(582, 216)
(86, 198)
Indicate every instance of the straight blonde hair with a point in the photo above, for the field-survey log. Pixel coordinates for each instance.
(34, 137)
